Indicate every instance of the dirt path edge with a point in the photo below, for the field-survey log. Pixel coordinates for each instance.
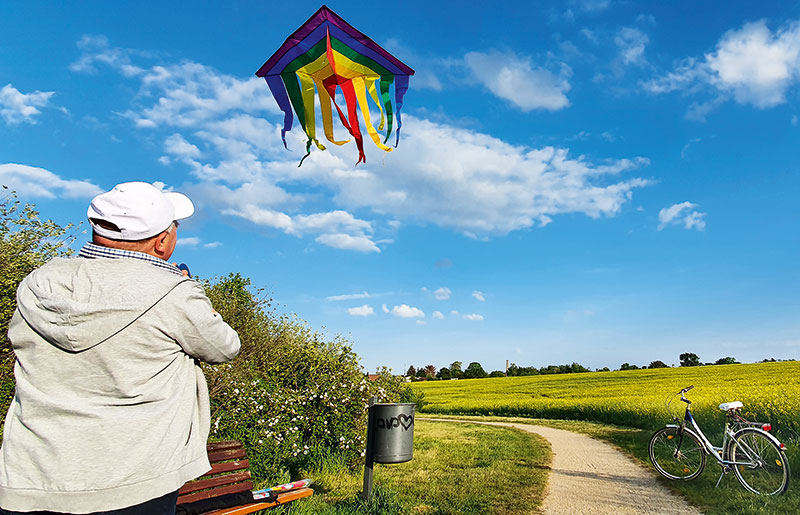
(591, 477)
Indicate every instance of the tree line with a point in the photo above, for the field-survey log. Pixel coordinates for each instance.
(475, 370)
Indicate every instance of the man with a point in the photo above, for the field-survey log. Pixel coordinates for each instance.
(111, 412)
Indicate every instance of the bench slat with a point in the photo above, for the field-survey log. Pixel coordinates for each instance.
(228, 466)
(207, 494)
(214, 482)
(220, 446)
(283, 498)
(228, 454)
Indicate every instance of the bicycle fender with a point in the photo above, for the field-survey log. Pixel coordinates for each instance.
(769, 435)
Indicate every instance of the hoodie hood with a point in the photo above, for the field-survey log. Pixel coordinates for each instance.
(79, 303)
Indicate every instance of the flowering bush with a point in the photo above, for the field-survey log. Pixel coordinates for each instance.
(292, 397)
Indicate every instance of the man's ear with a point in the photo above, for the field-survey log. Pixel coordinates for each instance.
(160, 244)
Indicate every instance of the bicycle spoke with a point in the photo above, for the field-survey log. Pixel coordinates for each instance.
(676, 458)
(766, 471)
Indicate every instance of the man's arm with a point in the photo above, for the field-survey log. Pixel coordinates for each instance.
(197, 328)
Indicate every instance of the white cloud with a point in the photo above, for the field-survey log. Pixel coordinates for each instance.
(488, 186)
(384, 308)
(348, 242)
(516, 79)
(682, 214)
(191, 241)
(794, 120)
(330, 224)
(631, 43)
(349, 296)
(97, 50)
(194, 241)
(31, 181)
(685, 149)
(17, 107)
(179, 147)
(438, 315)
(454, 312)
(406, 311)
(756, 65)
(479, 295)
(361, 311)
(474, 317)
(442, 293)
(752, 64)
(592, 6)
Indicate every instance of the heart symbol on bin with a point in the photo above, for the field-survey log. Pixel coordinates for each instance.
(406, 421)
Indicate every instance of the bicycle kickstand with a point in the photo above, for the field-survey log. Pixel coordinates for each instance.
(725, 470)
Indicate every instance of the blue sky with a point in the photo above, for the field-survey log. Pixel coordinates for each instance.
(590, 180)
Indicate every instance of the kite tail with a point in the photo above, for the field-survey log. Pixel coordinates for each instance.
(352, 114)
(400, 88)
(278, 90)
(361, 96)
(327, 115)
(308, 152)
(386, 81)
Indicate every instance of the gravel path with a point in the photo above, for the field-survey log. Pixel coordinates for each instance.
(589, 476)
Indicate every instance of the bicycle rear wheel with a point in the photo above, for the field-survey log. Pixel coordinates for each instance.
(675, 457)
(768, 469)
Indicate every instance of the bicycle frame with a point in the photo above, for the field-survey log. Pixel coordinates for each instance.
(717, 452)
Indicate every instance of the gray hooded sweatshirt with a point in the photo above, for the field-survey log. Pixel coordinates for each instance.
(111, 408)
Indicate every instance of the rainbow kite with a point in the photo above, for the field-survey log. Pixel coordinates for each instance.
(326, 52)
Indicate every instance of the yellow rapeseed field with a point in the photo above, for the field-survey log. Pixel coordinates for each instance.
(635, 398)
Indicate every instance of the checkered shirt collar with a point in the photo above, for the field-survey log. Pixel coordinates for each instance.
(92, 251)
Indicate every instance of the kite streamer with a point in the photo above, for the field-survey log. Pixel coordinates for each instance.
(327, 53)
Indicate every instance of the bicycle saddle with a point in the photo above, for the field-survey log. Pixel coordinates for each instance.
(725, 406)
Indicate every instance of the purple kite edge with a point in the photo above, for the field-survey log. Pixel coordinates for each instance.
(326, 14)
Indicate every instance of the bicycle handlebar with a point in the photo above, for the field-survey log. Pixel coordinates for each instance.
(687, 389)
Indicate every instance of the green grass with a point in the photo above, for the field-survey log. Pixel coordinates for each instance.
(730, 497)
(457, 469)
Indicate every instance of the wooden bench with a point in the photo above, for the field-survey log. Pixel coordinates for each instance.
(230, 473)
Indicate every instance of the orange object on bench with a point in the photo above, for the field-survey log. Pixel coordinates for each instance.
(230, 473)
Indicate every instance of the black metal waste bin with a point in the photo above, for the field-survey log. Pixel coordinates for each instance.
(393, 432)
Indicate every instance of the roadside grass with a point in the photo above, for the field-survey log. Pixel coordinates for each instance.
(457, 469)
(729, 497)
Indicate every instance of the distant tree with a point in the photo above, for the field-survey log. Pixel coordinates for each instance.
(430, 370)
(515, 370)
(497, 373)
(657, 364)
(726, 361)
(770, 360)
(577, 368)
(689, 359)
(474, 371)
(411, 372)
(421, 373)
(628, 366)
(443, 373)
(604, 369)
(455, 369)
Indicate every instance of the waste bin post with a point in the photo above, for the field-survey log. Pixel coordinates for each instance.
(368, 462)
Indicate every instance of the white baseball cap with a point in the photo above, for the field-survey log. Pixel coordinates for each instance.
(139, 209)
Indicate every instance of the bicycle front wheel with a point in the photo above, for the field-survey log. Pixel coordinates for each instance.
(676, 456)
(762, 466)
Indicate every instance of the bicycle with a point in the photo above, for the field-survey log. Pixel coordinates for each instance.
(754, 455)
